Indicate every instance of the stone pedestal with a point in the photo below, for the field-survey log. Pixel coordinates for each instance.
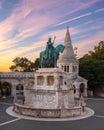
(51, 96)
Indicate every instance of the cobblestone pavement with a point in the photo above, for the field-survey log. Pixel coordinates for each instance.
(95, 122)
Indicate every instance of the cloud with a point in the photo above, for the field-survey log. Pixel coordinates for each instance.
(36, 46)
(89, 43)
(74, 8)
(24, 24)
(31, 52)
(34, 18)
(66, 21)
(99, 10)
(60, 34)
(69, 7)
(1, 3)
(40, 46)
(37, 13)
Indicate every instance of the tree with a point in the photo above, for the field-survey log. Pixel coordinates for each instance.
(98, 53)
(36, 63)
(91, 67)
(23, 65)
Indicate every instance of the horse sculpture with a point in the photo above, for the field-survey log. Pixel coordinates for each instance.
(48, 58)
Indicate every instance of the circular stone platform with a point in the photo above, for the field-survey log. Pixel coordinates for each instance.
(89, 112)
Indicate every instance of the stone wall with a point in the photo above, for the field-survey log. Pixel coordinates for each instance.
(15, 78)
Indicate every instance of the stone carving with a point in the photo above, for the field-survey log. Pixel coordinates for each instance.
(43, 100)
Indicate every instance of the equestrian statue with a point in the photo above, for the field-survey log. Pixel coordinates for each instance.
(49, 57)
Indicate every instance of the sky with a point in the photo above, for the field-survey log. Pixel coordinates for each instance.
(26, 25)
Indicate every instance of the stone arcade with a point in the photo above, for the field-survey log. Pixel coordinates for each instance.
(51, 92)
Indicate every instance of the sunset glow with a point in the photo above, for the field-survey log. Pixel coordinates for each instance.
(25, 26)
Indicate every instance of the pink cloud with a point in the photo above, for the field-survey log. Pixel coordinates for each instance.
(1, 3)
(10, 54)
(74, 7)
(88, 44)
(22, 22)
(60, 34)
(23, 25)
(80, 5)
(29, 17)
(42, 15)
(75, 18)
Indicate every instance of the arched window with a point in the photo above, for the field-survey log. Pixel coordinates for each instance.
(50, 80)
(61, 80)
(40, 80)
(67, 68)
(81, 88)
(6, 89)
(74, 89)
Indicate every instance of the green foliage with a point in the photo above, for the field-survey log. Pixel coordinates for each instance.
(36, 64)
(24, 65)
(92, 66)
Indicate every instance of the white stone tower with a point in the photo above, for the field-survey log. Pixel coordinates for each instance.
(67, 60)
(70, 65)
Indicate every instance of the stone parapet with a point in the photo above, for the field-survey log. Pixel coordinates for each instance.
(47, 113)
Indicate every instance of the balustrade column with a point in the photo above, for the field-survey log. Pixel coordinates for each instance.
(45, 80)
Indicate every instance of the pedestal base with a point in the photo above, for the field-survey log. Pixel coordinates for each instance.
(47, 113)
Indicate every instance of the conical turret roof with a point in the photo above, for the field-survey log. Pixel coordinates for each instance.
(67, 40)
(68, 53)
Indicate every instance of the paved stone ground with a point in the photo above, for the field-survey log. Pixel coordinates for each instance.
(95, 122)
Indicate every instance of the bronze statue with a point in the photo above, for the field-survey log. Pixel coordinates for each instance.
(48, 58)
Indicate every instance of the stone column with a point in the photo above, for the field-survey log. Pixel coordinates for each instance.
(35, 80)
(59, 98)
(13, 90)
(85, 92)
(58, 91)
(45, 80)
(57, 82)
(77, 96)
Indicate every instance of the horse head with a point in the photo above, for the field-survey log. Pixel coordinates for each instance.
(60, 48)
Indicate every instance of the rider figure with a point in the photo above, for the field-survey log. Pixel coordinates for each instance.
(49, 48)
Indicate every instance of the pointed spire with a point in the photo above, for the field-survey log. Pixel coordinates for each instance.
(67, 56)
(67, 40)
(68, 45)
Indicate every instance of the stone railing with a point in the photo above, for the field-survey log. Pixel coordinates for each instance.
(16, 75)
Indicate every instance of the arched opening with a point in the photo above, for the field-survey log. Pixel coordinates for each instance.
(74, 89)
(19, 89)
(5, 88)
(81, 88)
(20, 98)
(50, 80)
(67, 68)
(40, 80)
(76, 93)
